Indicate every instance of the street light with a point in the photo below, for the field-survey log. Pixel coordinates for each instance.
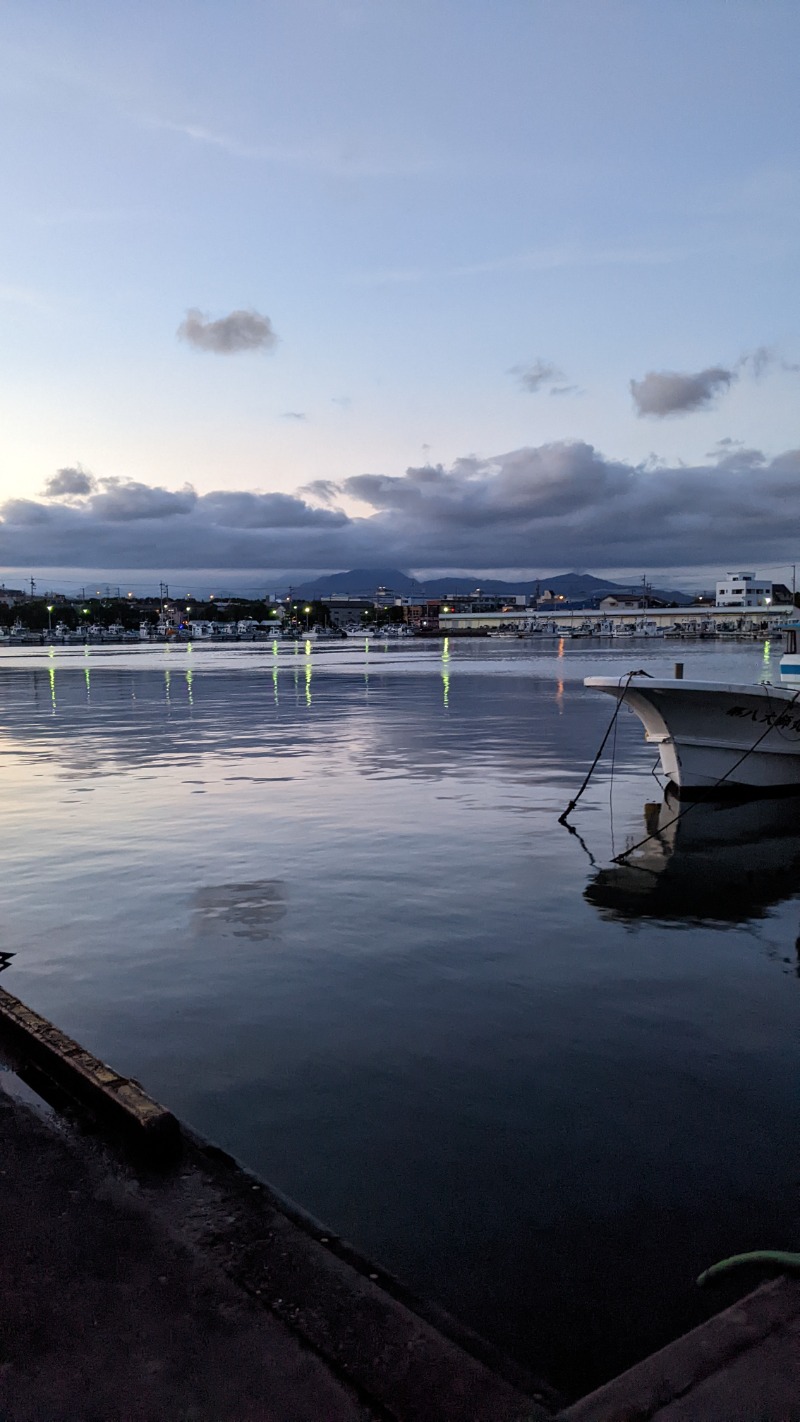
(49, 619)
(306, 611)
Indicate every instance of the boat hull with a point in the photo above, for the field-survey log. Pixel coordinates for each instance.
(712, 735)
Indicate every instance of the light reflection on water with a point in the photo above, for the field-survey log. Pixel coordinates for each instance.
(320, 904)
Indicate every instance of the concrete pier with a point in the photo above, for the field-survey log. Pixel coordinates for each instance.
(138, 1287)
(741, 1366)
(135, 1288)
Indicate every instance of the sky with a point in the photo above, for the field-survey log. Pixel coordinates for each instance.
(430, 284)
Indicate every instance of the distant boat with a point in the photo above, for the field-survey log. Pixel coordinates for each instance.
(319, 633)
(717, 735)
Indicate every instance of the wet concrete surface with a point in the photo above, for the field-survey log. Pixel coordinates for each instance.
(130, 1293)
(743, 1365)
(104, 1316)
(188, 1294)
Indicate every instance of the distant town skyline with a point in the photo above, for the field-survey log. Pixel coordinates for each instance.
(199, 583)
(429, 285)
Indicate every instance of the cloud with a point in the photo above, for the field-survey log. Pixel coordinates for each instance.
(668, 392)
(763, 359)
(69, 483)
(338, 157)
(758, 361)
(574, 254)
(241, 331)
(267, 511)
(122, 500)
(326, 491)
(561, 504)
(533, 377)
(294, 415)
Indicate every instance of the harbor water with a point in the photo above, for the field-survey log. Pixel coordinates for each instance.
(319, 902)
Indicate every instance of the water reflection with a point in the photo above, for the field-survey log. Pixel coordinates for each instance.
(250, 911)
(138, 720)
(719, 861)
(420, 989)
(446, 672)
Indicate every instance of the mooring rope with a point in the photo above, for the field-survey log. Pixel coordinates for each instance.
(562, 819)
(782, 1260)
(707, 795)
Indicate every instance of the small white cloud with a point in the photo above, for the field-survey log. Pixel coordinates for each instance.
(540, 372)
(240, 331)
(670, 392)
(70, 484)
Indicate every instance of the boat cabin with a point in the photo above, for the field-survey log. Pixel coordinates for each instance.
(790, 661)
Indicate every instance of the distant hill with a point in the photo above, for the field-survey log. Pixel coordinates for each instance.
(359, 581)
(363, 582)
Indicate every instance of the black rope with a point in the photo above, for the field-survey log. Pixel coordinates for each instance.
(562, 819)
(707, 795)
(611, 784)
(581, 841)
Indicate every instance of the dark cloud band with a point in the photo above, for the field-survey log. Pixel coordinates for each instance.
(560, 504)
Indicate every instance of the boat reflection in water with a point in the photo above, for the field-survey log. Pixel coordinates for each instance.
(722, 862)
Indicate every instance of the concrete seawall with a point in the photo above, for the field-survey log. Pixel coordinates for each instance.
(107, 1239)
(145, 1274)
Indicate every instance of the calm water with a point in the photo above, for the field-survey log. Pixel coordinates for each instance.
(322, 907)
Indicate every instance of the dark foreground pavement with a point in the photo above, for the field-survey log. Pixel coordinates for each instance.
(743, 1365)
(187, 1296)
(104, 1316)
(193, 1294)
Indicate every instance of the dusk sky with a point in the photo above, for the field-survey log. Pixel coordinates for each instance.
(432, 285)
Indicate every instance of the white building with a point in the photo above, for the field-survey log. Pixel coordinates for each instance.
(743, 590)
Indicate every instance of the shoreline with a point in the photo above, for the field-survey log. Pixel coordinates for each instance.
(293, 1295)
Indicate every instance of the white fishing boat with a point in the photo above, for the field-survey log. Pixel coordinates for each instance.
(716, 734)
(318, 633)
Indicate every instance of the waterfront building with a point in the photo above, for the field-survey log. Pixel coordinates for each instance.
(744, 590)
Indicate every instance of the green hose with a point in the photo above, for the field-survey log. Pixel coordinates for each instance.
(776, 1259)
